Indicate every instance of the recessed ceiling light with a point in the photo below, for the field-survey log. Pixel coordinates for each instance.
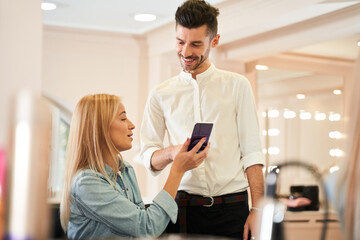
(261, 67)
(300, 96)
(337, 91)
(48, 6)
(144, 17)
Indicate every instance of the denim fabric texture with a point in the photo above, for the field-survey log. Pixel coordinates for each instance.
(100, 209)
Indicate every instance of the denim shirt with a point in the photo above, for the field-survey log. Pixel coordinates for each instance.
(100, 209)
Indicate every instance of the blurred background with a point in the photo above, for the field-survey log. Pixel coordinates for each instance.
(298, 55)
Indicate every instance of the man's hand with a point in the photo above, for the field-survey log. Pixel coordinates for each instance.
(161, 158)
(256, 182)
(251, 225)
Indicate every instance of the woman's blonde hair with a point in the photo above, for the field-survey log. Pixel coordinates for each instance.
(89, 141)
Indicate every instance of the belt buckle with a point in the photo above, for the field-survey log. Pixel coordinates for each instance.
(212, 202)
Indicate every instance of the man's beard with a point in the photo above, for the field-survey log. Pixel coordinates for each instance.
(190, 69)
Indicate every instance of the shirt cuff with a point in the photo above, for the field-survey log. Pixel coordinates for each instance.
(253, 159)
(168, 204)
(146, 156)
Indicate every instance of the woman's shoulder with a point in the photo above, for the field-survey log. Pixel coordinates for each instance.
(86, 173)
(127, 165)
(87, 176)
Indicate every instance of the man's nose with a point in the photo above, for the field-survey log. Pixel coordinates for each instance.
(186, 51)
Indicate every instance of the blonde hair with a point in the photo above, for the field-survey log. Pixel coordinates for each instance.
(350, 171)
(89, 141)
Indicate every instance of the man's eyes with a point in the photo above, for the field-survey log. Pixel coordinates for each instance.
(193, 44)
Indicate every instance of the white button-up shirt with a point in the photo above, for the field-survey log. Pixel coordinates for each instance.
(221, 97)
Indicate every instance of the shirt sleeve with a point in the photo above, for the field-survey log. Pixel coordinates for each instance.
(248, 126)
(100, 201)
(152, 131)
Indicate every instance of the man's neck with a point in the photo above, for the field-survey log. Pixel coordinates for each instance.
(201, 70)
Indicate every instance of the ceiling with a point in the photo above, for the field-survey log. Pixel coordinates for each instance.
(117, 16)
(112, 15)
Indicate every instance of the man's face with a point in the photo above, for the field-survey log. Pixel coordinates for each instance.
(193, 48)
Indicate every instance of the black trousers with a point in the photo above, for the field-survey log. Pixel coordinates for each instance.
(226, 220)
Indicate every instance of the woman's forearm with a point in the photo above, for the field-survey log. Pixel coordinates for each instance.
(173, 181)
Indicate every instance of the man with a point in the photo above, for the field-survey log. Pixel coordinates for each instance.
(212, 198)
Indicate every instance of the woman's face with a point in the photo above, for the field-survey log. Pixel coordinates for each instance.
(121, 130)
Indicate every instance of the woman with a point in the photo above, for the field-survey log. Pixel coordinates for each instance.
(101, 195)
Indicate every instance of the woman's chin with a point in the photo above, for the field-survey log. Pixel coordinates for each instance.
(122, 149)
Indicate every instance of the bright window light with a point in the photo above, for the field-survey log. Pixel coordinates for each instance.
(320, 116)
(358, 43)
(289, 114)
(264, 114)
(300, 96)
(264, 151)
(335, 134)
(144, 17)
(274, 132)
(337, 91)
(334, 117)
(261, 67)
(273, 150)
(336, 152)
(48, 6)
(264, 132)
(305, 115)
(273, 113)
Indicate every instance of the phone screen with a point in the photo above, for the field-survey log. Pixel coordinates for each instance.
(200, 130)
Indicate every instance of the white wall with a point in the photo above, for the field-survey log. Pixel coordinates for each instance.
(80, 62)
(20, 54)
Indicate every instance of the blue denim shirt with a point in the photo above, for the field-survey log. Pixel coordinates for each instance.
(98, 209)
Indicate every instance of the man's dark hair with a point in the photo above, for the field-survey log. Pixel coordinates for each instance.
(195, 13)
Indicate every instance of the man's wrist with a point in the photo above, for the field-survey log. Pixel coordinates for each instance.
(255, 209)
(174, 150)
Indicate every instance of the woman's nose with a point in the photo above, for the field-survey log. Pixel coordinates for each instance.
(131, 126)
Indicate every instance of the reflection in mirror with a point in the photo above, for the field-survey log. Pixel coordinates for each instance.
(301, 103)
(306, 127)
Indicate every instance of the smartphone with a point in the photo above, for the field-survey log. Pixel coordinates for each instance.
(200, 130)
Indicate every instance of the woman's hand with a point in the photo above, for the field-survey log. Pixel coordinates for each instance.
(187, 160)
(184, 161)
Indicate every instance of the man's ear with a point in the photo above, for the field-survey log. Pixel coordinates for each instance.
(215, 40)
